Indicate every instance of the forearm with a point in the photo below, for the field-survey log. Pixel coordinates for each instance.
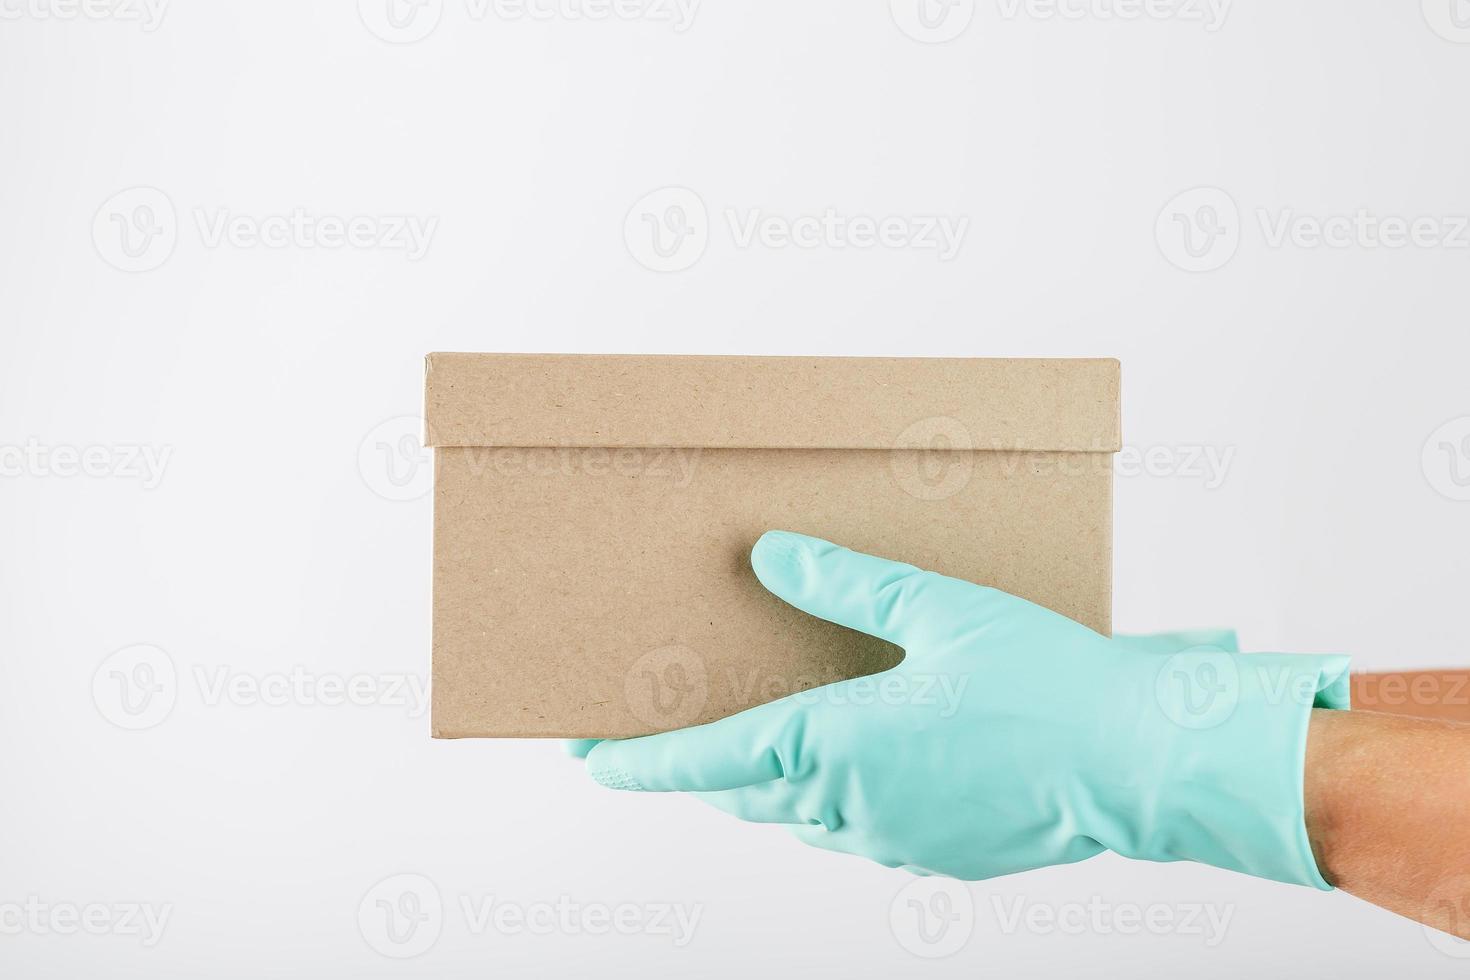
(1386, 798)
(1419, 693)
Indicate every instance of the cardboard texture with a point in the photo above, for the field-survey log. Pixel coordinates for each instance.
(593, 519)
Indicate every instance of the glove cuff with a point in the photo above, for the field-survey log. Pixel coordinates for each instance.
(1230, 733)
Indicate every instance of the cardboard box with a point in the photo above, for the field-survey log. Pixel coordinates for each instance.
(593, 519)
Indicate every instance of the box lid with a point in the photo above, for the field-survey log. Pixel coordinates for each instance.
(732, 402)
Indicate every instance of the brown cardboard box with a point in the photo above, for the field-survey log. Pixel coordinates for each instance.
(593, 519)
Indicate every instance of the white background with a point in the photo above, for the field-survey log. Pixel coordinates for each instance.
(268, 542)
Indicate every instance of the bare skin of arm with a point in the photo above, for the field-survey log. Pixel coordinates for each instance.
(1443, 694)
(1386, 798)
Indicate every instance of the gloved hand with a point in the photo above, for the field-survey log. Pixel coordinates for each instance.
(1171, 642)
(1055, 743)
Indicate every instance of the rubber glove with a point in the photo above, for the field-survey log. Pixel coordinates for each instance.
(1169, 642)
(578, 748)
(1053, 744)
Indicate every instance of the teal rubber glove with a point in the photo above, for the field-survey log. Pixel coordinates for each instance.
(1054, 744)
(578, 748)
(1172, 642)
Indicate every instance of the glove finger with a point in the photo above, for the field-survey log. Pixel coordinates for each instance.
(770, 802)
(578, 748)
(742, 749)
(882, 598)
